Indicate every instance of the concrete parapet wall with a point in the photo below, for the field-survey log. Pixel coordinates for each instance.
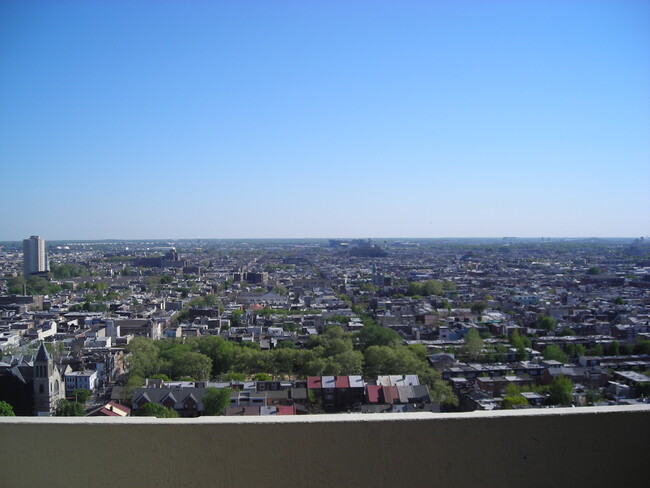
(593, 447)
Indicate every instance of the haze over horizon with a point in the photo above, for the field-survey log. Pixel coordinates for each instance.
(251, 119)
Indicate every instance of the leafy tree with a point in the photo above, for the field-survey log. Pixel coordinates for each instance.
(35, 285)
(478, 308)
(500, 353)
(69, 409)
(161, 376)
(15, 285)
(82, 395)
(565, 332)
(555, 353)
(420, 351)
(67, 270)
(280, 290)
(192, 364)
(473, 345)
(381, 360)
(369, 287)
(286, 361)
(627, 349)
(235, 317)
(286, 345)
(593, 270)
(207, 301)
(597, 350)
(251, 361)
(642, 346)
(166, 279)
(449, 286)
(441, 392)
(517, 342)
(232, 377)
(142, 358)
(220, 351)
(415, 289)
(570, 350)
(546, 322)
(560, 391)
(432, 287)
(614, 348)
(427, 288)
(6, 410)
(333, 341)
(215, 401)
(350, 362)
(156, 410)
(511, 401)
(133, 381)
(375, 335)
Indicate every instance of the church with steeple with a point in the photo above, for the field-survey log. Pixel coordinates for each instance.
(48, 385)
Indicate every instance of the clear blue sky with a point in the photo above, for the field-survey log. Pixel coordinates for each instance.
(170, 119)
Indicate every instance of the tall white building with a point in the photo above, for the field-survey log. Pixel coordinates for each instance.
(34, 256)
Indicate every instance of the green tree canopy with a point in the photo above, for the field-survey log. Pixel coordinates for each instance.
(375, 335)
(517, 342)
(34, 285)
(6, 410)
(67, 270)
(142, 357)
(511, 401)
(473, 345)
(215, 401)
(555, 352)
(546, 322)
(82, 395)
(479, 307)
(69, 409)
(426, 288)
(156, 410)
(560, 391)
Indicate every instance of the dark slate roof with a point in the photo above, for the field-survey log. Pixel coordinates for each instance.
(42, 356)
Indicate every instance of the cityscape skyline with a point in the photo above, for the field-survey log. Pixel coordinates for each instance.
(314, 120)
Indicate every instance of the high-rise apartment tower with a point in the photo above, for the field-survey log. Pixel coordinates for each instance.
(34, 256)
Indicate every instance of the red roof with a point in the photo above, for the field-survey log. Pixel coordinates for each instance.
(390, 394)
(373, 393)
(118, 407)
(314, 382)
(284, 410)
(109, 413)
(342, 382)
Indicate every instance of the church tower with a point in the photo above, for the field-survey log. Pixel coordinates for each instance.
(47, 383)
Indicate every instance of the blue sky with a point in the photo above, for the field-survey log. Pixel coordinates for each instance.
(169, 119)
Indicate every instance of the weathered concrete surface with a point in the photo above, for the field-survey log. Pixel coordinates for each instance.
(552, 447)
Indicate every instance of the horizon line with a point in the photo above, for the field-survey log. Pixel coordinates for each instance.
(323, 238)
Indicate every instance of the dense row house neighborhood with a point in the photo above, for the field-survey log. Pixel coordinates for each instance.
(288, 327)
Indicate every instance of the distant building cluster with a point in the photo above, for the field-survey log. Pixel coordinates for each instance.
(483, 325)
